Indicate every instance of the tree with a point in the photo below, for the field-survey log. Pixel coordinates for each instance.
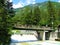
(51, 11)
(57, 17)
(31, 16)
(27, 16)
(10, 8)
(36, 15)
(44, 17)
(5, 23)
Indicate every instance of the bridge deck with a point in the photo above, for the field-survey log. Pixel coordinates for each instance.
(32, 28)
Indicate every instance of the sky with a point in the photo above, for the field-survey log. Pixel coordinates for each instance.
(22, 3)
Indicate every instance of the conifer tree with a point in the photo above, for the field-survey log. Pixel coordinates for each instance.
(51, 11)
(5, 23)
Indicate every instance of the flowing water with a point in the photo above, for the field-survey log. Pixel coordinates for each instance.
(29, 40)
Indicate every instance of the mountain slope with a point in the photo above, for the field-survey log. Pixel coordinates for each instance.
(42, 5)
(26, 13)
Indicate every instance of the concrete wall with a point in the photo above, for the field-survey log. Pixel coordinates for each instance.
(53, 35)
(41, 35)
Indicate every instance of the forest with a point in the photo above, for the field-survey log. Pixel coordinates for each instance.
(42, 14)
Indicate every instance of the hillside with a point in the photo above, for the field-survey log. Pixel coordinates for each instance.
(42, 5)
(28, 12)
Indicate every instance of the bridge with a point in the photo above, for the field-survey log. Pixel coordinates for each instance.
(43, 32)
(32, 27)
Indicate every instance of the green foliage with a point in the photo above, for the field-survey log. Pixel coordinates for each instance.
(53, 12)
(5, 23)
(39, 14)
(16, 32)
(36, 15)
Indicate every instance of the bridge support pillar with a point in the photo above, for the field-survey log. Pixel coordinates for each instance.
(43, 35)
(38, 35)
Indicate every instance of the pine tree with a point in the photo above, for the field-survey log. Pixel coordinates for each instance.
(36, 15)
(10, 8)
(5, 23)
(51, 11)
